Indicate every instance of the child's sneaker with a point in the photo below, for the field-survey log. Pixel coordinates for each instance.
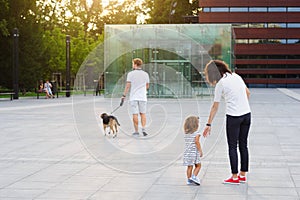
(242, 179)
(189, 182)
(232, 181)
(144, 133)
(195, 180)
(135, 134)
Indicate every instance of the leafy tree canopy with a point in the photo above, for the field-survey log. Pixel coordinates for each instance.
(44, 24)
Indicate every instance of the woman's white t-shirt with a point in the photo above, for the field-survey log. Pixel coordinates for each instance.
(233, 88)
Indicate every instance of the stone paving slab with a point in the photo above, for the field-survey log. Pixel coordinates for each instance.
(56, 149)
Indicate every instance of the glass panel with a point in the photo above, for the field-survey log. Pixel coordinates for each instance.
(257, 76)
(256, 41)
(277, 66)
(293, 9)
(258, 57)
(240, 25)
(174, 56)
(293, 76)
(242, 57)
(258, 9)
(277, 9)
(293, 25)
(238, 9)
(293, 41)
(277, 41)
(206, 10)
(257, 66)
(277, 56)
(220, 9)
(257, 25)
(241, 66)
(241, 41)
(293, 56)
(277, 76)
(277, 25)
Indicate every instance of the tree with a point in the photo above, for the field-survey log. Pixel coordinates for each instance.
(122, 13)
(170, 11)
(43, 26)
(3, 17)
(20, 15)
(84, 14)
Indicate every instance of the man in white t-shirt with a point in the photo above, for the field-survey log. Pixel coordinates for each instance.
(138, 83)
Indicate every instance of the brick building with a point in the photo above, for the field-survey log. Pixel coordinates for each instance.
(267, 33)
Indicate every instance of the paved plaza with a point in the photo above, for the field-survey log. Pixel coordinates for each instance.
(56, 149)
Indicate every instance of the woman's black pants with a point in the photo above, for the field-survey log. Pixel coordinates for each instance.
(237, 129)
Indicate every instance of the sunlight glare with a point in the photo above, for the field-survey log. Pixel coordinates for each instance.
(89, 3)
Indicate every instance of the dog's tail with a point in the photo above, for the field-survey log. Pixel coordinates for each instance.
(117, 121)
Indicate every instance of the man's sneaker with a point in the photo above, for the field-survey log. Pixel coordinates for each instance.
(195, 180)
(242, 179)
(232, 181)
(144, 133)
(135, 134)
(189, 182)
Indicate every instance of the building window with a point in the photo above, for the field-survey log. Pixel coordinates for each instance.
(293, 9)
(293, 76)
(293, 41)
(206, 9)
(278, 57)
(239, 9)
(293, 67)
(240, 25)
(277, 9)
(293, 56)
(276, 41)
(293, 25)
(277, 25)
(271, 57)
(258, 25)
(241, 41)
(258, 9)
(223, 9)
(256, 41)
(277, 66)
(242, 57)
(257, 76)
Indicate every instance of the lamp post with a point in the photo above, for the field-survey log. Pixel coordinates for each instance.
(16, 63)
(68, 66)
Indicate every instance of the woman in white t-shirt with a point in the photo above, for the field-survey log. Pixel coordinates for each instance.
(238, 115)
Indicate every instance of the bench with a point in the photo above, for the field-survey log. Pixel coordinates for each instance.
(8, 93)
(39, 92)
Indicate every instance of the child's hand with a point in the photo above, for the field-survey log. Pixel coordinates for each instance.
(201, 153)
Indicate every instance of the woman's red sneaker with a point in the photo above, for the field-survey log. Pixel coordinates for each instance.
(242, 179)
(232, 181)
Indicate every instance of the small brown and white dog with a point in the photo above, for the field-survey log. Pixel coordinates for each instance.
(111, 122)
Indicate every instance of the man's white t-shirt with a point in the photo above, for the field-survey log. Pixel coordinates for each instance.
(233, 88)
(138, 90)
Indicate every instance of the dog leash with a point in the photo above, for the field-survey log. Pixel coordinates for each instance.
(121, 104)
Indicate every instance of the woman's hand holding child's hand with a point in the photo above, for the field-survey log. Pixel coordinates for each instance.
(206, 131)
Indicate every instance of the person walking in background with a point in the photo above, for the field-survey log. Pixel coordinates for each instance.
(138, 84)
(193, 150)
(238, 115)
